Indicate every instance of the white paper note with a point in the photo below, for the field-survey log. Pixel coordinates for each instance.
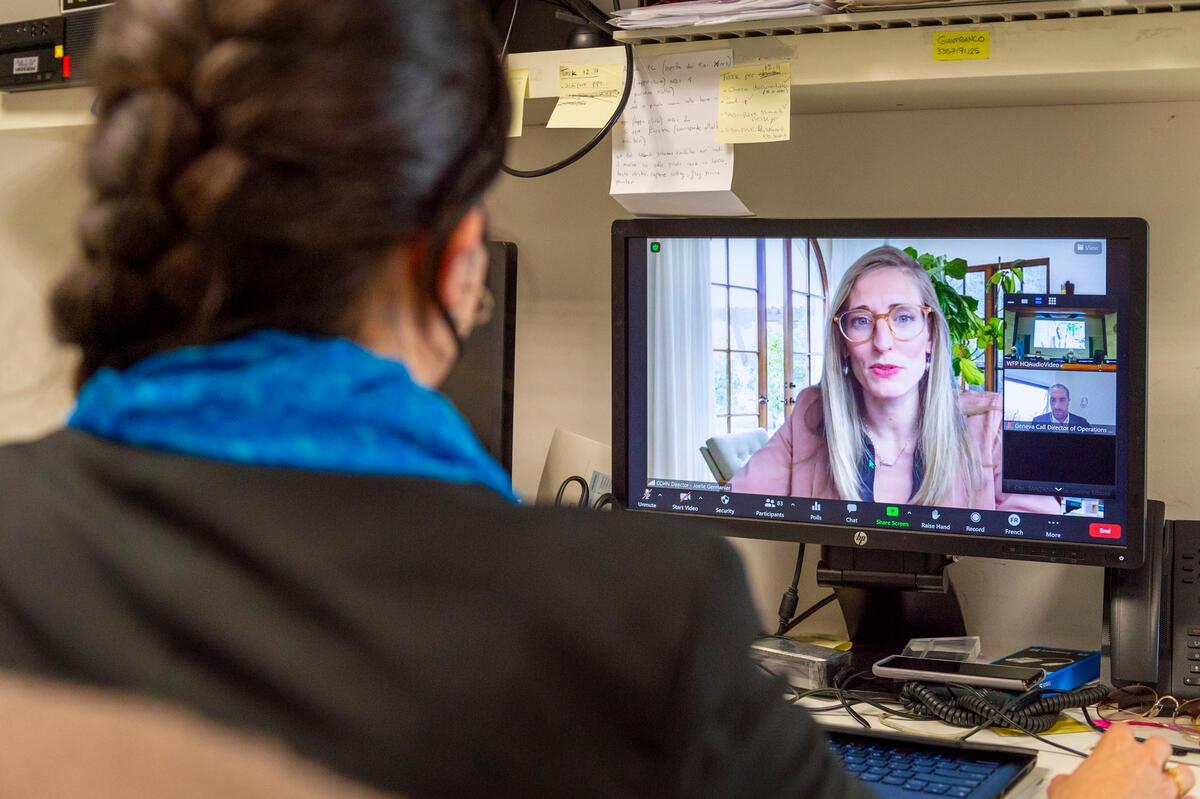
(666, 158)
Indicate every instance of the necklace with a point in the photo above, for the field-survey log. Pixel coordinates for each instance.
(878, 457)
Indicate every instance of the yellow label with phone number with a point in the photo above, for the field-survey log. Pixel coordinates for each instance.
(962, 45)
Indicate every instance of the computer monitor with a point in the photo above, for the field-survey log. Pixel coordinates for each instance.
(780, 378)
(481, 384)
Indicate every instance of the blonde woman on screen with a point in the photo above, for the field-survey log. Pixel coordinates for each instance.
(887, 422)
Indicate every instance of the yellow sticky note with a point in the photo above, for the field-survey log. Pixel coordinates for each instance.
(588, 95)
(754, 103)
(1063, 725)
(962, 45)
(518, 90)
(58, 51)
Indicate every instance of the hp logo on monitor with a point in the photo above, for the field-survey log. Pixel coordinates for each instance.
(860, 538)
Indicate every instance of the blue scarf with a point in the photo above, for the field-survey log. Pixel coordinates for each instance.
(278, 399)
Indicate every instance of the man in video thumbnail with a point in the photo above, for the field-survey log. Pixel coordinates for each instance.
(1060, 409)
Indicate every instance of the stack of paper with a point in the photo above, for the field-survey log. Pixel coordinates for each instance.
(718, 12)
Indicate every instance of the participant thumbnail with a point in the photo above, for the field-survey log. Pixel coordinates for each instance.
(1063, 336)
(1060, 401)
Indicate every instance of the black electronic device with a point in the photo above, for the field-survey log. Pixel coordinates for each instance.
(481, 383)
(761, 338)
(1152, 614)
(986, 675)
(908, 767)
(51, 52)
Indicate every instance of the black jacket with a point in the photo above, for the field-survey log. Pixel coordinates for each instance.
(424, 637)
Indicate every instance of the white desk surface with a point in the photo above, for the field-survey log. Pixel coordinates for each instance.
(1051, 762)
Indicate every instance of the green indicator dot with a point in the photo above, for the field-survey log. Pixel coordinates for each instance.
(655, 246)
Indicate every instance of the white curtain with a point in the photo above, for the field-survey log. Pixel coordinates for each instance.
(682, 407)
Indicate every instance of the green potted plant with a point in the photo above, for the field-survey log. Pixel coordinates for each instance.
(970, 333)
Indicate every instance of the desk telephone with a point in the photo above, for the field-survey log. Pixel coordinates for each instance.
(1152, 614)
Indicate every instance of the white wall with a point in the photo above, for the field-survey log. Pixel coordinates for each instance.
(40, 194)
(1085, 161)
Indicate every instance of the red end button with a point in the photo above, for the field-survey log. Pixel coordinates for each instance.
(1104, 530)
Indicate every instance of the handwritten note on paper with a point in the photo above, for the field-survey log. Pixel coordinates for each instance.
(518, 88)
(755, 103)
(588, 95)
(962, 46)
(666, 158)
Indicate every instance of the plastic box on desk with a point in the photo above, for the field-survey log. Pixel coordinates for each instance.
(802, 665)
(964, 649)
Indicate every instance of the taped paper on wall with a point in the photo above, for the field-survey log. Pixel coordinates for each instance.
(666, 159)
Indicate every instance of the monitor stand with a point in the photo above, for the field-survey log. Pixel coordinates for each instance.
(889, 597)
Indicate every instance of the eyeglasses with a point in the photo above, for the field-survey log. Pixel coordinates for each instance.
(905, 321)
(1141, 705)
(487, 304)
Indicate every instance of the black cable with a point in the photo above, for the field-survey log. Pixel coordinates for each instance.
(606, 499)
(1015, 725)
(804, 616)
(596, 18)
(1033, 712)
(599, 137)
(584, 497)
(512, 21)
(791, 597)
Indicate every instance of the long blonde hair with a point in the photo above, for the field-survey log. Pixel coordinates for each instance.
(945, 450)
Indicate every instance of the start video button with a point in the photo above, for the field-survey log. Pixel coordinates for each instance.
(1104, 530)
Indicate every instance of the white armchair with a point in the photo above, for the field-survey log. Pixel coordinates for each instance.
(728, 453)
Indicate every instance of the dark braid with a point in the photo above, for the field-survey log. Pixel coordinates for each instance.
(254, 159)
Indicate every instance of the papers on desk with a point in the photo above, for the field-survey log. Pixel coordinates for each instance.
(717, 12)
(665, 158)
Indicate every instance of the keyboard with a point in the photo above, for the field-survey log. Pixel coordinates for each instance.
(908, 767)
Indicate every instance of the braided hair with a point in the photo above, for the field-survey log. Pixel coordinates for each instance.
(254, 160)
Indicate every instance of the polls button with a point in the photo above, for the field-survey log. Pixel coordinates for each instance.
(1104, 530)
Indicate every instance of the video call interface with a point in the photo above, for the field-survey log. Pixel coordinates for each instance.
(738, 358)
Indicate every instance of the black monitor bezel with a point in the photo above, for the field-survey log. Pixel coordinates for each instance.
(1134, 360)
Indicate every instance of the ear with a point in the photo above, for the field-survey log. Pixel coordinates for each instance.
(463, 269)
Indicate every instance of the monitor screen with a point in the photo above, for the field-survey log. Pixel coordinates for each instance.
(951, 386)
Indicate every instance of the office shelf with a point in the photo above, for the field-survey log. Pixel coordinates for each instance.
(58, 109)
(1061, 52)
